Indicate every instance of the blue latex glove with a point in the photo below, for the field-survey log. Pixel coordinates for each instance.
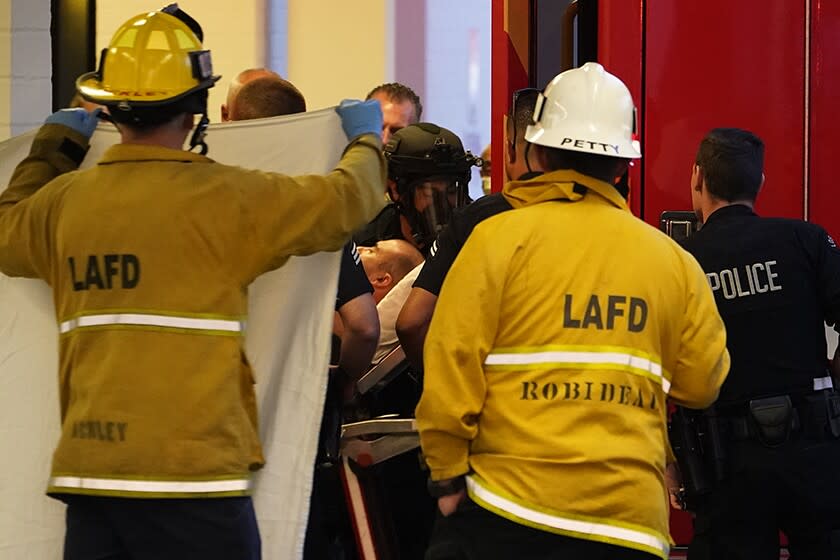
(78, 119)
(360, 117)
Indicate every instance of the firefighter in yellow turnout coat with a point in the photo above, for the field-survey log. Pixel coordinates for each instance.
(561, 330)
(149, 255)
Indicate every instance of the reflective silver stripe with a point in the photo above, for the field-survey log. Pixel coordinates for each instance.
(821, 383)
(143, 319)
(157, 486)
(567, 524)
(562, 357)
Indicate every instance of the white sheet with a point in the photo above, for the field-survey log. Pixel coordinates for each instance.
(287, 342)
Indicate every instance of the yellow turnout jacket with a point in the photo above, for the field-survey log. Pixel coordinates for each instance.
(149, 255)
(560, 331)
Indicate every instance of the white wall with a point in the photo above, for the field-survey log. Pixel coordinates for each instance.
(277, 35)
(25, 65)
(331, 49)
(458, 72)
(233, 31)
(5, 68)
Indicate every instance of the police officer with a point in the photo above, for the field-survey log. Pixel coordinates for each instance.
(553, 348)
(775, 281)
(428, 175)
(401, 107)
(149, 255)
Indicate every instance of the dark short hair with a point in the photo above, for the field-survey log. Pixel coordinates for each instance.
(732, 161)
(399, 92)
(522, 111)
(269, 96)
(601, 167)
(147, 117)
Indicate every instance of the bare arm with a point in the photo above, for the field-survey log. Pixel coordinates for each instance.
(359, 336)
(413, 323)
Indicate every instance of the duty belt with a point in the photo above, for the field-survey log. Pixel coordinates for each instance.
(773, 420)
(742, 427)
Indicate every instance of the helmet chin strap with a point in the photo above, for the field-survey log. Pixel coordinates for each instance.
(527, 159)
(198, 135)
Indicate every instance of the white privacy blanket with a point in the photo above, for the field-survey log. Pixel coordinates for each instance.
(287, 342)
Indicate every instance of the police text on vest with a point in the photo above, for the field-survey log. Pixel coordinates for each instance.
(747, 280)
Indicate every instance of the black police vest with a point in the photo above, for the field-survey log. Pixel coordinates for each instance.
(765, 274)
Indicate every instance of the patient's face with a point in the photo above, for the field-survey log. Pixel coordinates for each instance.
(371, 257)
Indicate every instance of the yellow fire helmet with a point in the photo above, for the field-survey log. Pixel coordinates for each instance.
(154, 59)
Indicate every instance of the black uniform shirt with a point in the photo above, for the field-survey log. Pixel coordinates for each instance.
(386, 225)
(775, 281)
(352, 280)
(450, 240)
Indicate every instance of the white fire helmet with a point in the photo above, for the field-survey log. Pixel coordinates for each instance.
(586, 109)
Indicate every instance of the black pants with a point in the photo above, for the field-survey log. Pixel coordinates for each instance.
(101, 528)
(329, 530)
(474, 533)
(794, 488)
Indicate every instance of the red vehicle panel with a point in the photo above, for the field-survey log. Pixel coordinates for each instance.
(825, 89)
(620, 42)
(722, 63)
(770, 66)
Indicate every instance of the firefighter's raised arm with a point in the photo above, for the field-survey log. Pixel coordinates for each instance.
(59, 147)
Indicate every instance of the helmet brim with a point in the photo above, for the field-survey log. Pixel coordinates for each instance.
(537, 134)
(90, 87)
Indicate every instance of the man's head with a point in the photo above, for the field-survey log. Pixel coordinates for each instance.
(400, 107)
(259, 93)
(428, 174)
(585, 120)
(729, 168)
(521, 116)
(387, 262)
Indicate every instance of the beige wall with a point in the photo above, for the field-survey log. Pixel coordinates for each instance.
(234, 31)
(5, 67)
(338, 48)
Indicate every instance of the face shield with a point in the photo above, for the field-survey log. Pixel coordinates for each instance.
(432, 203)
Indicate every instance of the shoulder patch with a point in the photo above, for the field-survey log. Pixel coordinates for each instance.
(354, 251)
(831, 242)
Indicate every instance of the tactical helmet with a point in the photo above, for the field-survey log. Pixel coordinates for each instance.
(431, 171)
(426, 151)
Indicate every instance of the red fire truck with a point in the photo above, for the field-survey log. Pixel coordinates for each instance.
(763, 65)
